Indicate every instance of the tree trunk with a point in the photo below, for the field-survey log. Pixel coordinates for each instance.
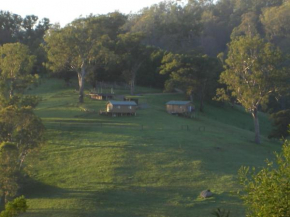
(201, 107)
(191, 96)
(6, 200)
(132, 82)
(134, 70)
(11, 93)
(81, 78)
(132, 87)
(257, 127)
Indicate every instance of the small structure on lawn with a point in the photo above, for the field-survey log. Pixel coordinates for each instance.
(101, 96)
(120, 108)
(205, 194)
(180, 107)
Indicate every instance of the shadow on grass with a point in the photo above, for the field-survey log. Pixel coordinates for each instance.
(125, 200)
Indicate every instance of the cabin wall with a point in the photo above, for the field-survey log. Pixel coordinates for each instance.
(178, 108)
(121, 108)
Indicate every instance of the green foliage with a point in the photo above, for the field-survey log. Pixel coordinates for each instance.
(167, 25)
(266, 192)
(132, 54)
(148, 74)
(248, 26)
(15, 66)
(275, 20)
(281, 121)
(21, 126)
(8, 170)
(15, 207)
(80, 45)
(195, 75)
(21, 131)
(221, 213)
(252, 73)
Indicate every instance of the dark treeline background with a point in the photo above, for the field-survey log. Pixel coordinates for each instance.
(167, 45)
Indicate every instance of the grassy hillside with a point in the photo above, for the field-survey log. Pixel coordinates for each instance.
(154, 164)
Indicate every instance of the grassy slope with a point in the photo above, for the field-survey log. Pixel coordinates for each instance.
(102, 166)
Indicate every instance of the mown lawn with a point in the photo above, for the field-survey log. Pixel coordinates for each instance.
(154, 164)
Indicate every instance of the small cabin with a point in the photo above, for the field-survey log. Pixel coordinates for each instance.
(101, 96)
(179, 107)
(121, 108)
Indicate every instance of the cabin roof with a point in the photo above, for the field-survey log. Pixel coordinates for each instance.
(123, 103)
(178, 102)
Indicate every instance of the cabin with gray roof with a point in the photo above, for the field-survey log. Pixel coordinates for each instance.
(179, 107)
(120, 108)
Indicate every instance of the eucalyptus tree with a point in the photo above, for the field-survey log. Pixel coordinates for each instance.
(77, 46)
(253, 72)
(15, 67)
(19, 125)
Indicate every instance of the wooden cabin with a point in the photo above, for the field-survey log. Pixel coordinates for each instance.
(101, 96)
(120, 108)
(179, 107)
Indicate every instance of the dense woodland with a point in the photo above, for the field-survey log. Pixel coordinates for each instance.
(234, 51)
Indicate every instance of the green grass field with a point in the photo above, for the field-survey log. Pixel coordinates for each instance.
(154, 164)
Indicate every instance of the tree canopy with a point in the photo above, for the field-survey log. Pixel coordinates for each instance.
(16, 64)
(78, 46)
(253, 72)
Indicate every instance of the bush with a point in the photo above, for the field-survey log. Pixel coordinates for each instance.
(267, 192)
(15, 207)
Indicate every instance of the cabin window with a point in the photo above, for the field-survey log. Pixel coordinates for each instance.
(130, 107)
(118, 107)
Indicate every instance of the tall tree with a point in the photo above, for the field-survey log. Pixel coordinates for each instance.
(196, 75)
(77, 46)
(15, 66)
(20, 125)
(253, 71)
(132, 53)
(10, 27)
(148, 74)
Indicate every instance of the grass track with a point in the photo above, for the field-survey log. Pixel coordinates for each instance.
(148, 165)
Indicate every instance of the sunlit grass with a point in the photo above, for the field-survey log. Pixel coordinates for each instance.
(154, 164)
